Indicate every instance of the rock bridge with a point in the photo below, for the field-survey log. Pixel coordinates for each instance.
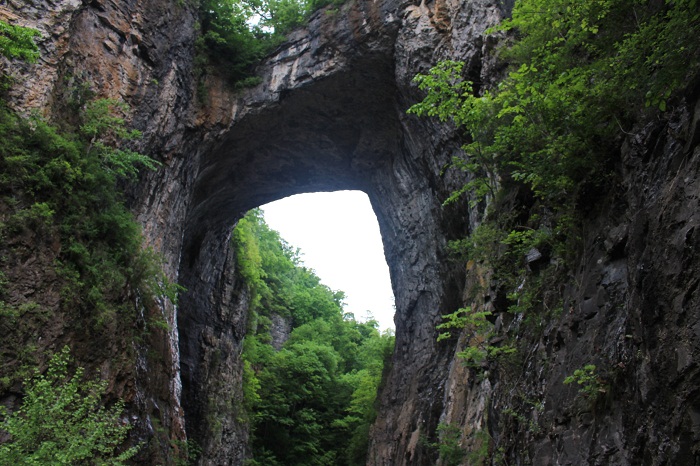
(330, 114)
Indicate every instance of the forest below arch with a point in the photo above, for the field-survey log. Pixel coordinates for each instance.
(310, 393)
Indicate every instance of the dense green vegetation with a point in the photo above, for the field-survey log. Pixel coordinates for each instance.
(61, 421)
(312, 401)
(236, 34)
(64, 227)
(18, 42)
(62, 184)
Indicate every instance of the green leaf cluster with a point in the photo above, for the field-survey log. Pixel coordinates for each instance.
(311, 401)
(103, 123)
(591, 384)
(62, 422)
(18, 42)
(479, 330)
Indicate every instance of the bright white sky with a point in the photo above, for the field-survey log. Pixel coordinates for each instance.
(339, 238)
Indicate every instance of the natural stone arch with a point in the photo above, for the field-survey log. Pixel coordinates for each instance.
(330, 114)
(347, 130)
(144, 52)
(334, 134)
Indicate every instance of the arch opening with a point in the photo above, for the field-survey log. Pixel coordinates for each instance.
(297, 322)
(338, 237)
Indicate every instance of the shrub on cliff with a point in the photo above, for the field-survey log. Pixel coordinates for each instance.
(61, 421)
(18, 42)
(61, 183)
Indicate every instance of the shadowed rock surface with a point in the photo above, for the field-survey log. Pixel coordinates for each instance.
(329, 114)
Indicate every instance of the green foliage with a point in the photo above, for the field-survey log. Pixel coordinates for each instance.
(279, 281)
(461, 319)
(236, 34)
(479, 331)
(59, 198)
(524, 414)
(18, 42)
(249, 260)
(311, 402)
(591, 384)
(482, 245)
(450, 97)
(451, 452)
(579, 69)
(103, 123)
(18, 325)
(227, 41)
(309, 409)
(456, 447)
(64, 184)
(478, 455)
(61, 421)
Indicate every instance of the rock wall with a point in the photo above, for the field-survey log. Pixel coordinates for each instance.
(330, 114)
(141, 53)
(629, 307)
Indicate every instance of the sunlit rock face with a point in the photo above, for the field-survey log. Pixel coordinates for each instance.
(329, 114)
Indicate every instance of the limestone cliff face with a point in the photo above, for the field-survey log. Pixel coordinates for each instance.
(139, 52)
(330, 114)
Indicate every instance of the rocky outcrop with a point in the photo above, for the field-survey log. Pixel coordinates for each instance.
(329, 114)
